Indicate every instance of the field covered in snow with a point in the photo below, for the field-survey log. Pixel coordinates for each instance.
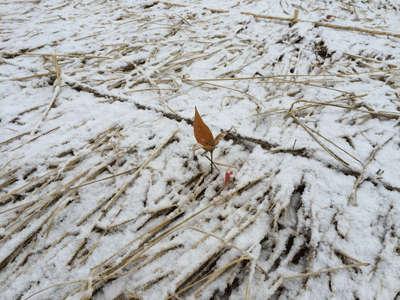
(102, 196)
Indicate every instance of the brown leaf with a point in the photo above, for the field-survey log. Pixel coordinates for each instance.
(221, 136)
(202, 133)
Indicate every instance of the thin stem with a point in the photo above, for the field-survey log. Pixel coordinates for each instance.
(212, 163)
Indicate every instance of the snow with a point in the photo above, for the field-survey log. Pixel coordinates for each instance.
(101, 196)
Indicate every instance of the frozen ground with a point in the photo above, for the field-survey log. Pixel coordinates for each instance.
(101, 196)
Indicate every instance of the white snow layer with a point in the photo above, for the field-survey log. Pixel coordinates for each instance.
(101, 196)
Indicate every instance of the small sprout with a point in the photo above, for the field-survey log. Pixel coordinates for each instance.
(228, 176)
(204, 137)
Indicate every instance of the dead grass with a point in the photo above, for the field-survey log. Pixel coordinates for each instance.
(138, 254)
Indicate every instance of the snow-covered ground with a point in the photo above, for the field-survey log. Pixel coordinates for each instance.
(102, 197)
